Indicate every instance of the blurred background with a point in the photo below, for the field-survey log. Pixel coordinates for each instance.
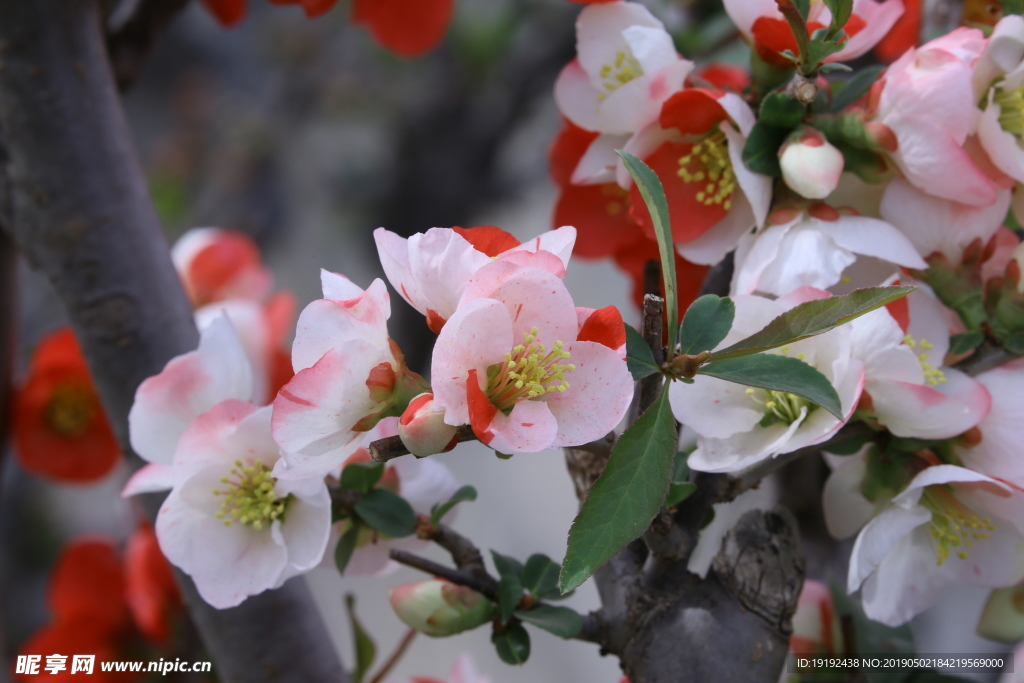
(307, 136)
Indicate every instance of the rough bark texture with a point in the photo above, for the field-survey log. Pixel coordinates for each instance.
(81, 213)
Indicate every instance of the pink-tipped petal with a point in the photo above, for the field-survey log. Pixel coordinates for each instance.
(326, 324)
(599, 393)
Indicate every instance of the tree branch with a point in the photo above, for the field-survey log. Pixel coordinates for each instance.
(81, 213)
(985, 357)
(391, 447)
(399, 652)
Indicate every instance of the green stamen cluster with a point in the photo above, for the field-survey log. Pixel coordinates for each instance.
(528, 372)
(622, 71)
(1011, 110)
(71, 409)
(780, 406)
(953, 524)
(709, 161)
(250, 498)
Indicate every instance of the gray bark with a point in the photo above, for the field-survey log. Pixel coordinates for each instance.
(81, 213)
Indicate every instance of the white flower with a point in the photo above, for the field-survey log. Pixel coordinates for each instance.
(950, 525)
(740, 426)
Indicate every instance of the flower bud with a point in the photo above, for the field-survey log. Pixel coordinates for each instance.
(439, 608)
(816, 628)
(810, 165)
(1003, 616)
(423, 429)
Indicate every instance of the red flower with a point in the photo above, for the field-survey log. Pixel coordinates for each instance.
(903, 35)
(150, 590)
(408, 28)
(633, 258)
(60, 429)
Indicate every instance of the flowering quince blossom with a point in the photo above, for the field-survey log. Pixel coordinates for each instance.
(907, 388)
(423, 483)
(438, 608)
(59, 427)
(812, 247)
(514, 363)
(224, 521)
(696, 148)
(934, 224)
(950, 525)
(740, 426)
(816, 627)
(922, 112)
(463, 671)
(349, 374)
(810, 165)
(996, 449)
(430, 270)
(627, 66)
(761, 22)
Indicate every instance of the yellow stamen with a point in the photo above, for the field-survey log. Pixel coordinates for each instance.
(953, 523)
(250, 498)
(624, 69)
(932, 375)
(709, 160)
(71, 409)
(1011, 110)
(528, 372)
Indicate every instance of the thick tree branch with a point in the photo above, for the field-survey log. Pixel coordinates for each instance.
(81, 213)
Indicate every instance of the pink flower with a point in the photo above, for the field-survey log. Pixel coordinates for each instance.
(423, 429)
(816, 627)
(934, 224)
(761, 22)
(626, 68)
(813, 247)
(996, 449)
(924, 109)
(950, 525)
(513, 363)
(349, 374)
(423, 483)
(430, 270)
(740, 426)
(216, 264)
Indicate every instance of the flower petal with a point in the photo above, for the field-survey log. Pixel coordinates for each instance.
(599, 393)
(326, 324)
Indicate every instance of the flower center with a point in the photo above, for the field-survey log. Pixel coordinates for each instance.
(932, 375)
(71, 409)
(1011, 110)
(249, 497)
(953, 524)
(779, 406)
(708, 162)
(528, 372)
(620, 72)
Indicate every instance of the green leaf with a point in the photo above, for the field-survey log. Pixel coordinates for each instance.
(833, 66)
(707, 321)
(968, 341)
(361, 476)
(649, 184)
(855, 88)
(681, 468)
(812, 318)
(1012, 7)
(506, 565)
(466, 493)
(841, 12)
(761, 151)
(540, 575)
(362, 643)
(512, 644)
(561, 621)
(778, 373)
(804, 6)
(818, 50)
(677, 493)
(346, 546)
(781, 111)
(387, 512)
(625, 498)
(639, 357)
(510, 592)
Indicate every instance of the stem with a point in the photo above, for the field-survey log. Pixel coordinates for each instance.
(399, 652)
(391, 447)
(489, 589)
(985, 358)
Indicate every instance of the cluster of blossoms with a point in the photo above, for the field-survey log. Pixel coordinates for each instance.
(909, 181)
(248, 462)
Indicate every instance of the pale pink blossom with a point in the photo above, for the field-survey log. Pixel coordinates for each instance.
(740, 426)
(349, 374)
(423, 430)
(926, 101)
(626, 67)
(813, 248)
(949, 526)
(510, 364)
(430, 270)
(934, 224)
(996, 449)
